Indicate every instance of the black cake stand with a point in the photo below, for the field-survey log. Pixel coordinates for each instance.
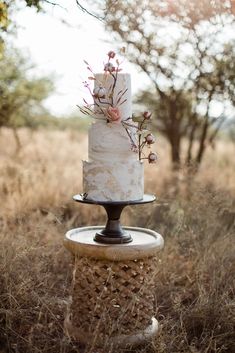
(113, 233)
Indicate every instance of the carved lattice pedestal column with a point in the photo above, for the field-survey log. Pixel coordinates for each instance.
(112, 301)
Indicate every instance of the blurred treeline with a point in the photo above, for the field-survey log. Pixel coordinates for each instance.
(186, 48)
(22, 91)
(23, 94)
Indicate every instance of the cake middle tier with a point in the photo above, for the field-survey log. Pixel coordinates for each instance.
(110, 142)
(113, 180)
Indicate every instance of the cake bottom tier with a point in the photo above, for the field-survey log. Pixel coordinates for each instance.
(113, 181)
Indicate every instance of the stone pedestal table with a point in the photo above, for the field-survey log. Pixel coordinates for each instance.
(112, 300)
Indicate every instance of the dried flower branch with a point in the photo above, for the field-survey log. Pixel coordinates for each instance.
(107, 104)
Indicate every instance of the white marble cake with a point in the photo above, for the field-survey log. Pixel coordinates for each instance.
(113, 171)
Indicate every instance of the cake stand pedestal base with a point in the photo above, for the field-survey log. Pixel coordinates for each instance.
(112, 301)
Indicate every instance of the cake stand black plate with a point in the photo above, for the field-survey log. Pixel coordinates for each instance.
(113, 233)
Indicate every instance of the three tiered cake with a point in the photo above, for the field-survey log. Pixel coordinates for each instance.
(114, 170)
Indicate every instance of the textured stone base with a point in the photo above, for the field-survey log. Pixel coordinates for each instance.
(112, 299)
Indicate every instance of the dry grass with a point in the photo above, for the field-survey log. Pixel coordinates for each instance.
(195, 288)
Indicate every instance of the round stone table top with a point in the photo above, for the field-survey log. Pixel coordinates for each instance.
(146, 243)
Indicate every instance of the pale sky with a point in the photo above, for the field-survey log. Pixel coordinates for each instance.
(60, 49)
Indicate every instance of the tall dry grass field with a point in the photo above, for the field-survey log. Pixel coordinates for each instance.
(196, 216)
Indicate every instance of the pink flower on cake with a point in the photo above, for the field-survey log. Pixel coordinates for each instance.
(147, 115)
(152, 157)
(99, 92)
(109, 67)
(149, 139)
(111, 54)
(114, 114)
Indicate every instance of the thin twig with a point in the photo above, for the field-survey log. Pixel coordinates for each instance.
(88, 12)
(54, 4)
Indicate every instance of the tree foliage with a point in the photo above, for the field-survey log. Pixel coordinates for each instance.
(186, 48)
(21, 94)
(6, 7)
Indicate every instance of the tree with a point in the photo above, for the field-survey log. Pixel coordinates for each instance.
(8, 7)
(21, 95)
(184, 49)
